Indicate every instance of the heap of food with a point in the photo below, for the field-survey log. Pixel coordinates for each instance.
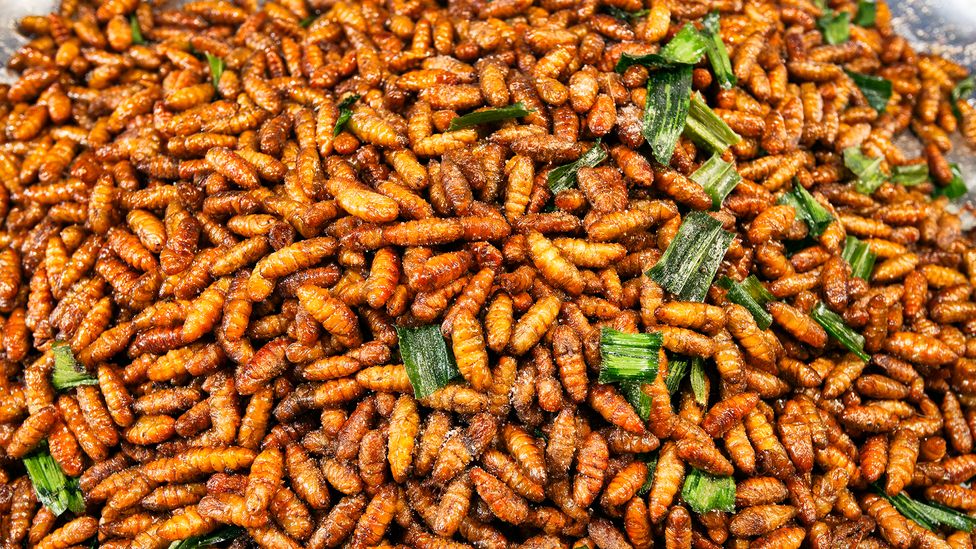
(495, 274)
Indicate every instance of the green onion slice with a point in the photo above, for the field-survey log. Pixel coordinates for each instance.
(835, 26)
(876, 90)
(751, 294)
(689, 264)
(667, 103)
(859, 256)
(808, 209)
(704, 127)
(839, 330)
(910, 174)
(718, 56)
(867, 169)
(678, 367)
(718, 178)
(867, 13)
(345, 112)
(226, 533)
(704, 492)
(564, 177)
(137, 37)
(216, 68)
(651, 461)
(929, 515)
(955, 188)
(628, 357)
(641, 401)
(429, 363)
(54, 489)
(67, 372)
(698, 383)
(626, 15)
(686, 48)
(491, 114)
(962, 91)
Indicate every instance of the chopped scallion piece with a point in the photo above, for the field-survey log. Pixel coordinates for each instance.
(635, 395)
(867, 13)
(835, 26)
(226, 533)
(867, 170)
(928, 515)
(686, 48)
(698, 383)
(689, 264)
(808, 209)
(751, 294)
(704, 127)
(910, 174)
(307, 22)
(627, 15)
(628, 357)
(54, 489)
(429, 363)
(651, 461)
(876, 90)
(962, 91)
(859, 256)
(718, 178)
(834, 324)
(955, 188)
(564, 177)
(216, 68)
(718, 56)
(137, 37)
(492, 114)
(345, 112)
(704, 492)
(668, 98)
(67, 372)
(677, 371)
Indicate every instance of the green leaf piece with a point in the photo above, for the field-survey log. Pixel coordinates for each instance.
(429, 364)
(698, 383)
(667, 103)
(689, 264)
(867, 13)
(216, 68)
(955, 188)
(705, 127)
(867, 170)
(626, 15)
(686, 48)
(751, 294)
(54, 489)
(718, 55)
(678, 367)
(910, 174)
(704, 492)
(859, 256)
(226, 533)
(345, 112)
(137, 37)
(564, 177)
(718, 178)
(491, 114)
(808, 209)
(628, 357)
(928, 515)
(67, 372)
(834, 325)
(835, 26)
(960, 92)
(876, 90)
(641, 401)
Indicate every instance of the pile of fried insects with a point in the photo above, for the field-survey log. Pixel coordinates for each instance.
(544, 274)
